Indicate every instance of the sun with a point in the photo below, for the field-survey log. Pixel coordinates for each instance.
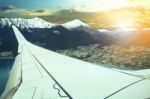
(124, 21)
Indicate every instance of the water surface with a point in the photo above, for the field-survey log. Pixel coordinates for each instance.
(5, 67)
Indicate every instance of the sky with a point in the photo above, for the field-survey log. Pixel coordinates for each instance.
(16, 8)
(37, 4)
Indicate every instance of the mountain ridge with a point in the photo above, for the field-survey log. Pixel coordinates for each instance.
(25, 23)
(39, 23)
(37, 29)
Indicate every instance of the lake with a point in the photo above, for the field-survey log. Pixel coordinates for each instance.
(5, 67)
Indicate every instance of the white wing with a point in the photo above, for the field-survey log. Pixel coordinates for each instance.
(49, 75)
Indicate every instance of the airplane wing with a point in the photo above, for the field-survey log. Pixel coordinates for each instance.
(39, 73)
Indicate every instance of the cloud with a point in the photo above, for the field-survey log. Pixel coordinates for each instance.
(41, 12)
(12, 11)
(102, 5)
(8, 8)
(81, 7)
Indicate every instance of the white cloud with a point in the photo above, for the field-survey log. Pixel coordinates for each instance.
(99, 5)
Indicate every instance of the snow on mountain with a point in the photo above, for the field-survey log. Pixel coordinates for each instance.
(104, 30)
(126, 30)
(25, 23)
(75, 24)
(5, 22)
(119, 30)
(40, 23)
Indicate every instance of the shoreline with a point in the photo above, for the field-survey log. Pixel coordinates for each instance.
(3, 58)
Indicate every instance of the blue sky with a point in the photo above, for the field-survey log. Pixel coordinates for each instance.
(55, 4)
(17, 8)
(38, 4)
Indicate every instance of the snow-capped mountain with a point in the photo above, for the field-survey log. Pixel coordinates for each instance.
(75, 24)
(25, 23)
(40, 23)
(76, 31)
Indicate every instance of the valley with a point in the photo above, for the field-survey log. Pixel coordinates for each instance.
(113, 56)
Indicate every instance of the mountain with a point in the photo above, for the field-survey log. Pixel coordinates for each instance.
(121, 36)
(66, 36)
(25, 23)
(51, 36)
(39, 23)
(27, 26)
(75, 24)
